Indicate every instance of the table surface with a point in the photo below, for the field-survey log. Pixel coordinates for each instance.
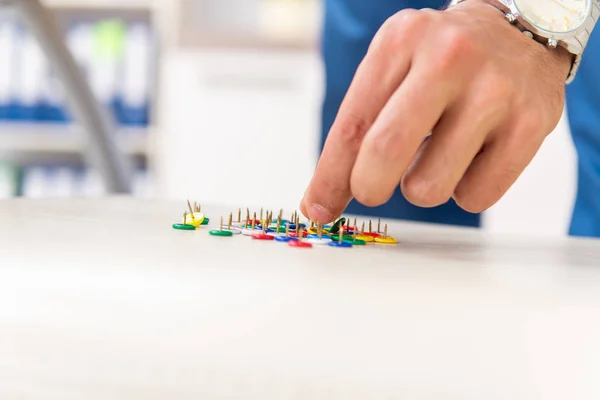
(103, 299)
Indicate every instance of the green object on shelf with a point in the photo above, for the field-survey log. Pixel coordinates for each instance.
(109, 39)
(184, 227)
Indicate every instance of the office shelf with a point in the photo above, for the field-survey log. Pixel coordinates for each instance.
(100, 4)
(52, 140)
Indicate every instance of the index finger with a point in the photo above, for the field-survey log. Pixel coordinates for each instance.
(378, 76)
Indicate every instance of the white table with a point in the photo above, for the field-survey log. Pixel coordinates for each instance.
(104, 300)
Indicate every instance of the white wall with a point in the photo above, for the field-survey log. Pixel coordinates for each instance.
(541, 201)
(241, 128)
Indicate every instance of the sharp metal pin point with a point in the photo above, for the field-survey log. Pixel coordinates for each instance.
(191, 210)
(379, 225)
(239, 219)
(370, 227)
(230, 221)
(254, 221)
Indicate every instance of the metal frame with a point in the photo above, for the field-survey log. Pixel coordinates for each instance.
(102, 151)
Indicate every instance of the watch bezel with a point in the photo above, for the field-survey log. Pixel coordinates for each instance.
(587, 24)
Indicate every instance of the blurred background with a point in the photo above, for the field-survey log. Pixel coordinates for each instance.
(214, 100)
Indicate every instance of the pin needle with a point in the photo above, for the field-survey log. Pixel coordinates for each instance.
(386, 239)
(340, 242)
(239, 219)
(221, 232)
(299, 242)
(287, 237)
(379, 225)
(229, 222)
(191, 210)
(184, 226)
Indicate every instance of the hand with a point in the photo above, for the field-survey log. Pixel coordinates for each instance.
(487, 94)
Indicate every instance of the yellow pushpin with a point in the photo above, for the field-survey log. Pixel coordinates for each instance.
(362, 236)
(197, 219)
(385, 239)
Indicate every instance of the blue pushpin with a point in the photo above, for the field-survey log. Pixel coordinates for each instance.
(341, 242)
(286, 238)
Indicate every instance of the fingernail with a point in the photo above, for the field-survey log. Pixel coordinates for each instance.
(319, 214)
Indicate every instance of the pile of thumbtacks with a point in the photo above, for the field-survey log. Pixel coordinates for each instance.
(293, 232)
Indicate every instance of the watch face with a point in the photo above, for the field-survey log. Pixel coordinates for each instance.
(556, 16)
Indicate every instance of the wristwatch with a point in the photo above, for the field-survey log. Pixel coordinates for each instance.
(564, 23)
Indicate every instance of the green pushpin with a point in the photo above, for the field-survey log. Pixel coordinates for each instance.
(220, 231)
(184, 226)
(344, 237)
(336, 226)
(353, 240)
(206, 221)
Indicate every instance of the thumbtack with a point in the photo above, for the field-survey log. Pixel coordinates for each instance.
(287, 237)
(386, 239)
(300, 243)
(340, 242)
(220, 231)
(184, 226)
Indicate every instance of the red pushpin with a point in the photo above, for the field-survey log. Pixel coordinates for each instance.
(263, 235)
(300, 243)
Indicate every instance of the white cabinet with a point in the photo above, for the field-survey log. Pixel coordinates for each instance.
(239, 127)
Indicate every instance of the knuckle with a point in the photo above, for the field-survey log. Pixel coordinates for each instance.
(351, 130)
(388, 145)
(423, 192)
(532, 122)
(500, 88)
(457, 45)
(397, 27)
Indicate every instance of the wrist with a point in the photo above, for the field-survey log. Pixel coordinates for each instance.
(559, 58)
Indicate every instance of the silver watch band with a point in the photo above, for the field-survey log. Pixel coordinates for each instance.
(574, 45)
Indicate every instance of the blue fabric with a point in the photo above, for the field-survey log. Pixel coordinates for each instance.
(583, 109)
(349, 28)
